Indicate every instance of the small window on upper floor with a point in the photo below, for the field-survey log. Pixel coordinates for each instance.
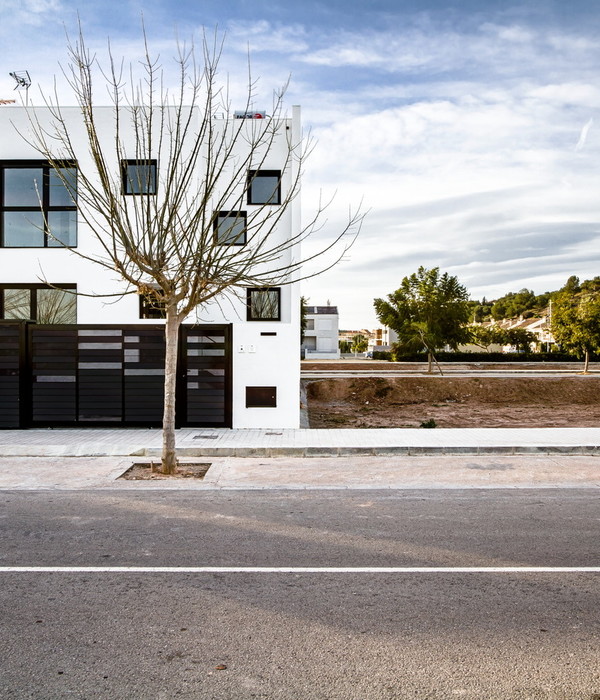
(264, 304)
(152, 307)
(138, 176)
(264, 187)
(230, 227)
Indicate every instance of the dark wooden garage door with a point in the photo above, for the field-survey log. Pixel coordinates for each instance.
(12, 357)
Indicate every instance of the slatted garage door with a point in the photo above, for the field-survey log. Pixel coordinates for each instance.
(11, 359)
(114, 376)
(53, 363)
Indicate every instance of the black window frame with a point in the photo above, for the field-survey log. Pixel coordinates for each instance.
(243, 239)
(253, 175)
(126, 181)
(151, 308)
(33, 303)
(250, 291)
(46, 208)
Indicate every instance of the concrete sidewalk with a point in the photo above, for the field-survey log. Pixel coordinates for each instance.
(289, 473)
(308, 459)
(221, 442)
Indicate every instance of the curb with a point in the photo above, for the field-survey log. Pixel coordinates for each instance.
(295, 451)
(589, 450)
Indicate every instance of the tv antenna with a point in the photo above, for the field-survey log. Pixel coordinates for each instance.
(23, 80)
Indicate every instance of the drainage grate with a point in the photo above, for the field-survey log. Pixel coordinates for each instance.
(205, 437)
(273, 433)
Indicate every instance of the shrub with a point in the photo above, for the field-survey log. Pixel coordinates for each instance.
(428, 423)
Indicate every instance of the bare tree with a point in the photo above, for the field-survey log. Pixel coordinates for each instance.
(174, 240)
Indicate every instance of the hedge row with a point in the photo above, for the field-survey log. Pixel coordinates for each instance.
(482, 357)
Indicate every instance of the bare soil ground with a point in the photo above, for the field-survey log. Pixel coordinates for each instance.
(454, 402)
(141, 471)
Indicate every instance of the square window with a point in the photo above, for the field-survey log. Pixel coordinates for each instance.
(35, 197)
(151, 307)
(139, 176)
(230, 227)
(264, 187)
(264, 304)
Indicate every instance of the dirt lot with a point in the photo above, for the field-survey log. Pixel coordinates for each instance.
(454, 402)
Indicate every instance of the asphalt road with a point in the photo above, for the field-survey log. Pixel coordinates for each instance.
(300, 635)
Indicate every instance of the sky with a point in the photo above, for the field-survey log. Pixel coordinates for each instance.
(468, 131)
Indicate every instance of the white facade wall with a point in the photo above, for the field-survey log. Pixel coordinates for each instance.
(258, 360)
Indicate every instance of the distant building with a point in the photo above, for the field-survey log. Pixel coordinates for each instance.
(540, 326)
(321, 334)
(382, 339)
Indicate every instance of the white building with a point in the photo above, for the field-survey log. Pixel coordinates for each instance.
(256, 330)
(321, 333)
(382, 339)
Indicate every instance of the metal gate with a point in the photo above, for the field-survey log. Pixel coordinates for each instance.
(110, 375)
(205, 365)
(12, 368)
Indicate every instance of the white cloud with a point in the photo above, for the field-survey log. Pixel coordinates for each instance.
(583, 135)
(263, 36)
(30, 12)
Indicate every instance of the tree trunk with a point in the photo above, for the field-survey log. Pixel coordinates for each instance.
(437, 364)
(429, 362)
(169, 457)
(587, 361)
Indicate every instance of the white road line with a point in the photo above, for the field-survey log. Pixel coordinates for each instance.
(300, 569)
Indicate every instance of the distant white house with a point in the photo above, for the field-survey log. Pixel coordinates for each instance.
(540, 327)
(321, 334)
(382, 339)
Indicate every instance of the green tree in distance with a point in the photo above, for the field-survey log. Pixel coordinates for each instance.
(522, 303)
(576, 317)
(428, 311)
(484, 336)
(303, 320)
(359, 344)
(520, 338)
